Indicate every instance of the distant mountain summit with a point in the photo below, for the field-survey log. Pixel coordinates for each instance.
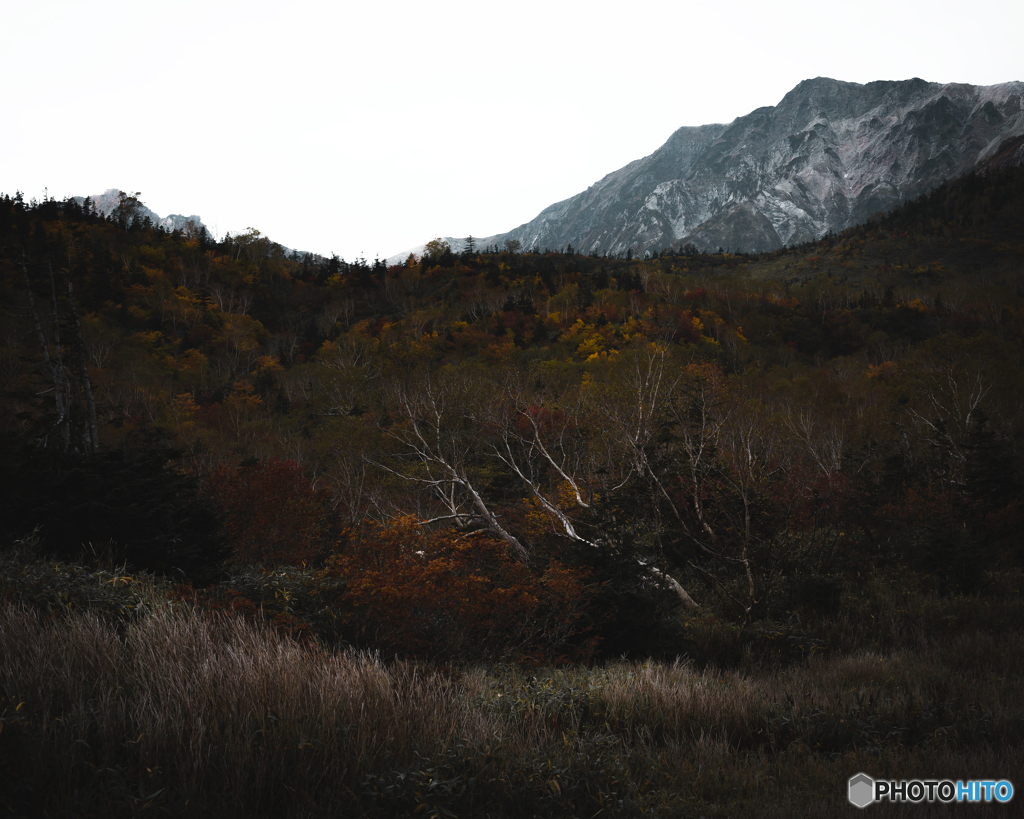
(109, 199)
(828, 156)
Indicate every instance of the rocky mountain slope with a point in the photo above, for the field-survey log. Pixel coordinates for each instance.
(828, 156)
(108, 200)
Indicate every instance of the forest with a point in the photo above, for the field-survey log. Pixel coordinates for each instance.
(539, 490)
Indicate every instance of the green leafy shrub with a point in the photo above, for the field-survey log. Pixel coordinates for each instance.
(29, 577)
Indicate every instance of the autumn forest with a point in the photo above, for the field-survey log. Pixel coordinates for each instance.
(544, 464)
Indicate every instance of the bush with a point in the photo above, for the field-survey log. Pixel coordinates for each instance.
(439, 594)
(51, 586)
(272, 514)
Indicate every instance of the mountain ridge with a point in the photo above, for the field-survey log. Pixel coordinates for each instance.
(827, 156)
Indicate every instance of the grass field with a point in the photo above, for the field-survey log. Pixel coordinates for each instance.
(165, 710)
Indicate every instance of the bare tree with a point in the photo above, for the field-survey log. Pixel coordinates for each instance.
(542, 445)
(707, 455)
(437, 433)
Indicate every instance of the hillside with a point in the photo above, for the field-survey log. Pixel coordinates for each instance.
(234, 351)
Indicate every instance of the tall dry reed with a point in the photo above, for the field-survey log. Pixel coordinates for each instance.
(188, 713)
(218, 709)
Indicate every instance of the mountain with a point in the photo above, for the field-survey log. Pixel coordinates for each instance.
(828, 156)
(455, 243)
(108, 200)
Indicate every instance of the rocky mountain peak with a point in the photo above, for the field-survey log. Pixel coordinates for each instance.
(828, 155)
(109, 199)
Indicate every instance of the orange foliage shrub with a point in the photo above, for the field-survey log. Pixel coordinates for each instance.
(272, 515)
(439, 594)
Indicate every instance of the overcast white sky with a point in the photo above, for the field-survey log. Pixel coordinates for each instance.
(366, 128)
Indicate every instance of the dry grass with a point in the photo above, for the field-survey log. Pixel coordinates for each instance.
(223, 712)
(185, 713)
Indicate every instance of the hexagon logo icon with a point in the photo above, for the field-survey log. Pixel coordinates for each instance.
(862, 790)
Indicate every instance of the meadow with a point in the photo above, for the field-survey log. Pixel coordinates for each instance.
(118, 699)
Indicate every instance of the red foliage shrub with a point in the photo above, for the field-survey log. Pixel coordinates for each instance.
(438, 594)
(273, 516)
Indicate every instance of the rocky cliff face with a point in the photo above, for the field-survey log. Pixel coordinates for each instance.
(829, 155)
